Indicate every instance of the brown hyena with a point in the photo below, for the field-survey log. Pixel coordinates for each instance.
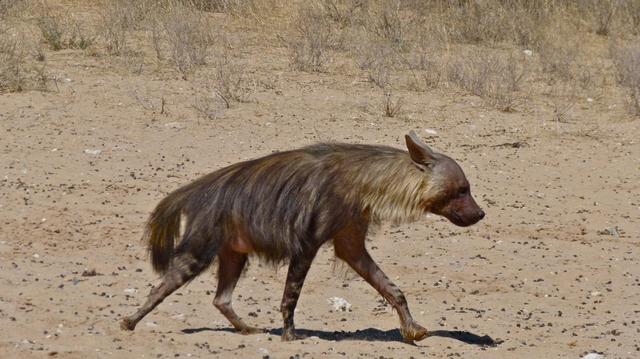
(284, 206)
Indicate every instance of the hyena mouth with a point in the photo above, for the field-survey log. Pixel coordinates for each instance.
(460, 221)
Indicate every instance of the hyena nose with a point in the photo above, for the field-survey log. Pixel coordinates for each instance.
(480, 214)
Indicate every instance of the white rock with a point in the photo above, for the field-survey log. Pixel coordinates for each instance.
(339, 304)
(92, 151)
(263, 351)
(593, 356)
(431, 131)
(589, 99)
(36, 255)
(130, 290)
(527, 52)
(151, 324)
(595, 293)
(176, 125)
(178, 316)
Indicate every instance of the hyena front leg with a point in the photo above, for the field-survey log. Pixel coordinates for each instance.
(349, 246)
(230, 265)
(298, 269)
(183, 269)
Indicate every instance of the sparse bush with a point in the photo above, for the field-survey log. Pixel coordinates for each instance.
(209, 105)
(52, 32)
(557, 57)
(386, 21)
(226, 6)
(8, 7)
(60, 34)
(342, 12)
(309, 46)
(599, 12)
(119, 18)
(630, 14)
(80, 37)
(493, 77)
(189, 37)
(17, 70)
(626, 59)
(231, 83)
(391, 107)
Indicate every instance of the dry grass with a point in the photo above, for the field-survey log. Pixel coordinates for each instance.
(61, 33)
(20, 68)
(311, 40)
(116, 26)
(491, 76)
(405, 45)
(626, 58)
(189, 36)
(391, 105)
(232, 84)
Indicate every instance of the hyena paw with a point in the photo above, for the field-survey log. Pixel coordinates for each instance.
(290, 335)
(251, 330)
(127, 324)
(413, 332)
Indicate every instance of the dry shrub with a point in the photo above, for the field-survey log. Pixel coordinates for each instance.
(387, 21)
(61, 33)
(342, 12)
(232, 85)
(117, 21)
(378, 60)
(600, 14)
(557, 59)
(189, 36)
(227, 6)
(488, 21)
(626, 59)
(209, 105)
(629, 11)
(9, 8)
(312, 39)
(391, 107)
(119, 18)
(495, 78)
(19, 69)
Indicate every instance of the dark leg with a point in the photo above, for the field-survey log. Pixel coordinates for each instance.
(349, 246)
(183, 269)
(298, 269)
(229, 269)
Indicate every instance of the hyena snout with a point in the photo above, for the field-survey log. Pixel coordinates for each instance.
(463, 211)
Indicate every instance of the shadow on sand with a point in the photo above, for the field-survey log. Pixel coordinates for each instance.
(372, 334)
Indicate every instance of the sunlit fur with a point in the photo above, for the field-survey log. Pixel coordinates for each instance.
(288, 202)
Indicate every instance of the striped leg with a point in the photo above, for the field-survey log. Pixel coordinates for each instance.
(298, 269)
(230, 267)
(349, 246)
(183, 269)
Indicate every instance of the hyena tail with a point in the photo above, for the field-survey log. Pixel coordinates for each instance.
(163, 227)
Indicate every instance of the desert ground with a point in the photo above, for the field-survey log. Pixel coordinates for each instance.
(95, 133)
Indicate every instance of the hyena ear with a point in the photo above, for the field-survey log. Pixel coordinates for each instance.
(420, 153)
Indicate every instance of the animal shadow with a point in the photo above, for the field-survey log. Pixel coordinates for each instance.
(372, 334)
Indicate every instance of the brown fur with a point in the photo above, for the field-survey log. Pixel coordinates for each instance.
(284, 206)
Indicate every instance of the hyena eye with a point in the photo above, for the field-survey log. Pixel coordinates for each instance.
(463, 191)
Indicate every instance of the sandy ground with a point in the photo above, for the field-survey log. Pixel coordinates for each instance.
(552, 272)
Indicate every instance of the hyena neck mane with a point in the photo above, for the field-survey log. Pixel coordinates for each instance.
(381, 180)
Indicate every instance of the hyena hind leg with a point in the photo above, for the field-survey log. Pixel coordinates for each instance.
(183, 269)
(230, 266)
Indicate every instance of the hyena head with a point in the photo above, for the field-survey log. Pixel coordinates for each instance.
(448, 194)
